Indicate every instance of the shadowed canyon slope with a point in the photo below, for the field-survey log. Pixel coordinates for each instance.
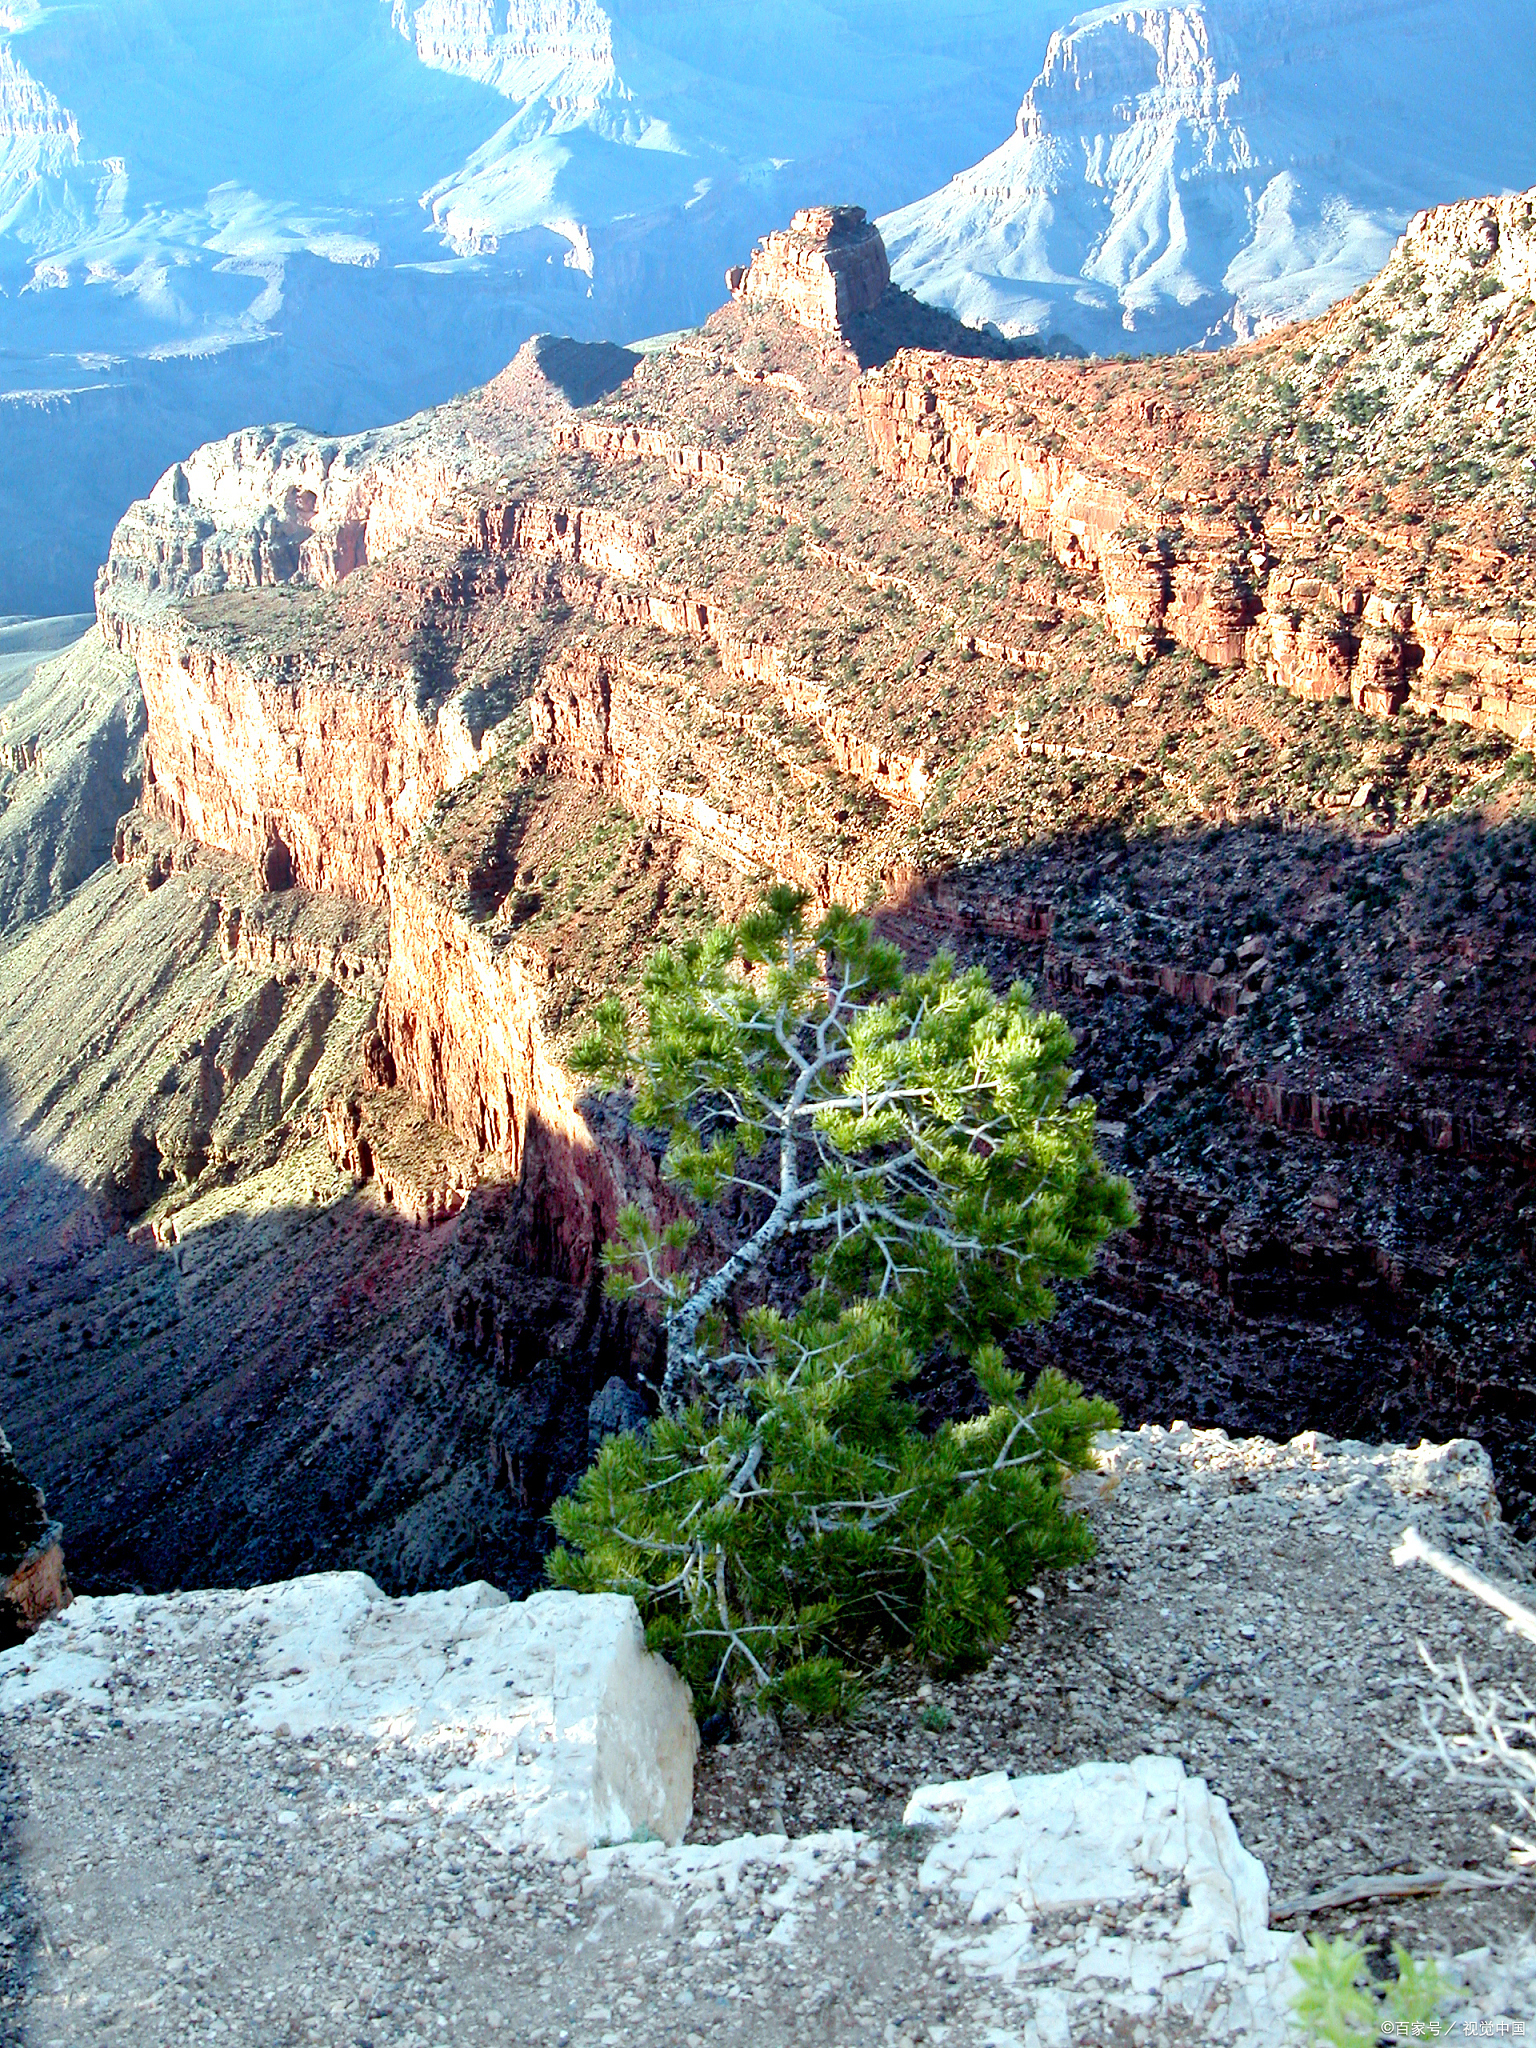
(1198, 692)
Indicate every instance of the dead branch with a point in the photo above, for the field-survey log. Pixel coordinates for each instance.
(1415, 1884)
(1413, 1549)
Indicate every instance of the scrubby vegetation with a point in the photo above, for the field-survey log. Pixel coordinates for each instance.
(786, 1518)
(1339, 2001)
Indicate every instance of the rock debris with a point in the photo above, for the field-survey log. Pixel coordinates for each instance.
(178, 1874)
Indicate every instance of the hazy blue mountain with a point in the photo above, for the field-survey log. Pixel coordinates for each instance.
(338, 211)
(1179, 176)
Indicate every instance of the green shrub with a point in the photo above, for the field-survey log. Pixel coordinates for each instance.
(1340, 2003)
(815, 1525)
(785, 1513)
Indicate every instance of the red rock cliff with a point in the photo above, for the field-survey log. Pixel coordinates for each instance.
(462, 1020)
(826, 267)
(277, 504)
(1125, 474)
(318, 783)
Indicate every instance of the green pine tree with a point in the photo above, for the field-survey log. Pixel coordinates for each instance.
(785, 1516)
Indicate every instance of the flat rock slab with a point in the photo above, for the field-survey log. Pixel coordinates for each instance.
(1100, 1899)
(1177, 1909)
(546, 1719)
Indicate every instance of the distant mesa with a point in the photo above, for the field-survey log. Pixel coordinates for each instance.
(828, 266)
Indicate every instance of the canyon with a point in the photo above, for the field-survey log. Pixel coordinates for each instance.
(1196, 692)
(490, 172)
(1205, 562)
(1167, 177)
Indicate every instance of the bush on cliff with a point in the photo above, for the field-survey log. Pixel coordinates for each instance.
(785, 1514)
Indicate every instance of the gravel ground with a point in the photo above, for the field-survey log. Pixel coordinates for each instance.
(1242, 1615)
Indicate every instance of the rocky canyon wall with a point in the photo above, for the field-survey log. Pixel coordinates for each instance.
(618, 552)
(320, 771)
(1235, 590)
(277, 504)
(607, 722)
(319, 783)
(709, 609)
(461, 1024)
(32, 1581)
(264, 750)
(273, 505)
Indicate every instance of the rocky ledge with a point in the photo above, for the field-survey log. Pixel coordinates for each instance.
(367, 1820)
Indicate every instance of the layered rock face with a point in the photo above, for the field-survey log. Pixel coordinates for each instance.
(255, 744)
(607, 721)
(223, 1359)
(278, 505)
(564, 50)
(32, 1581)
(599, 721)
(1156, 193)
(828, 266)
(319, 766)
(460, 1017)
(480, 982)
(315, 785)
(1315, 576)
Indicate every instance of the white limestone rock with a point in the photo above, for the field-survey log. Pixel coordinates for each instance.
(1108, 1901)
(1147, 1843)
(544, 1721)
